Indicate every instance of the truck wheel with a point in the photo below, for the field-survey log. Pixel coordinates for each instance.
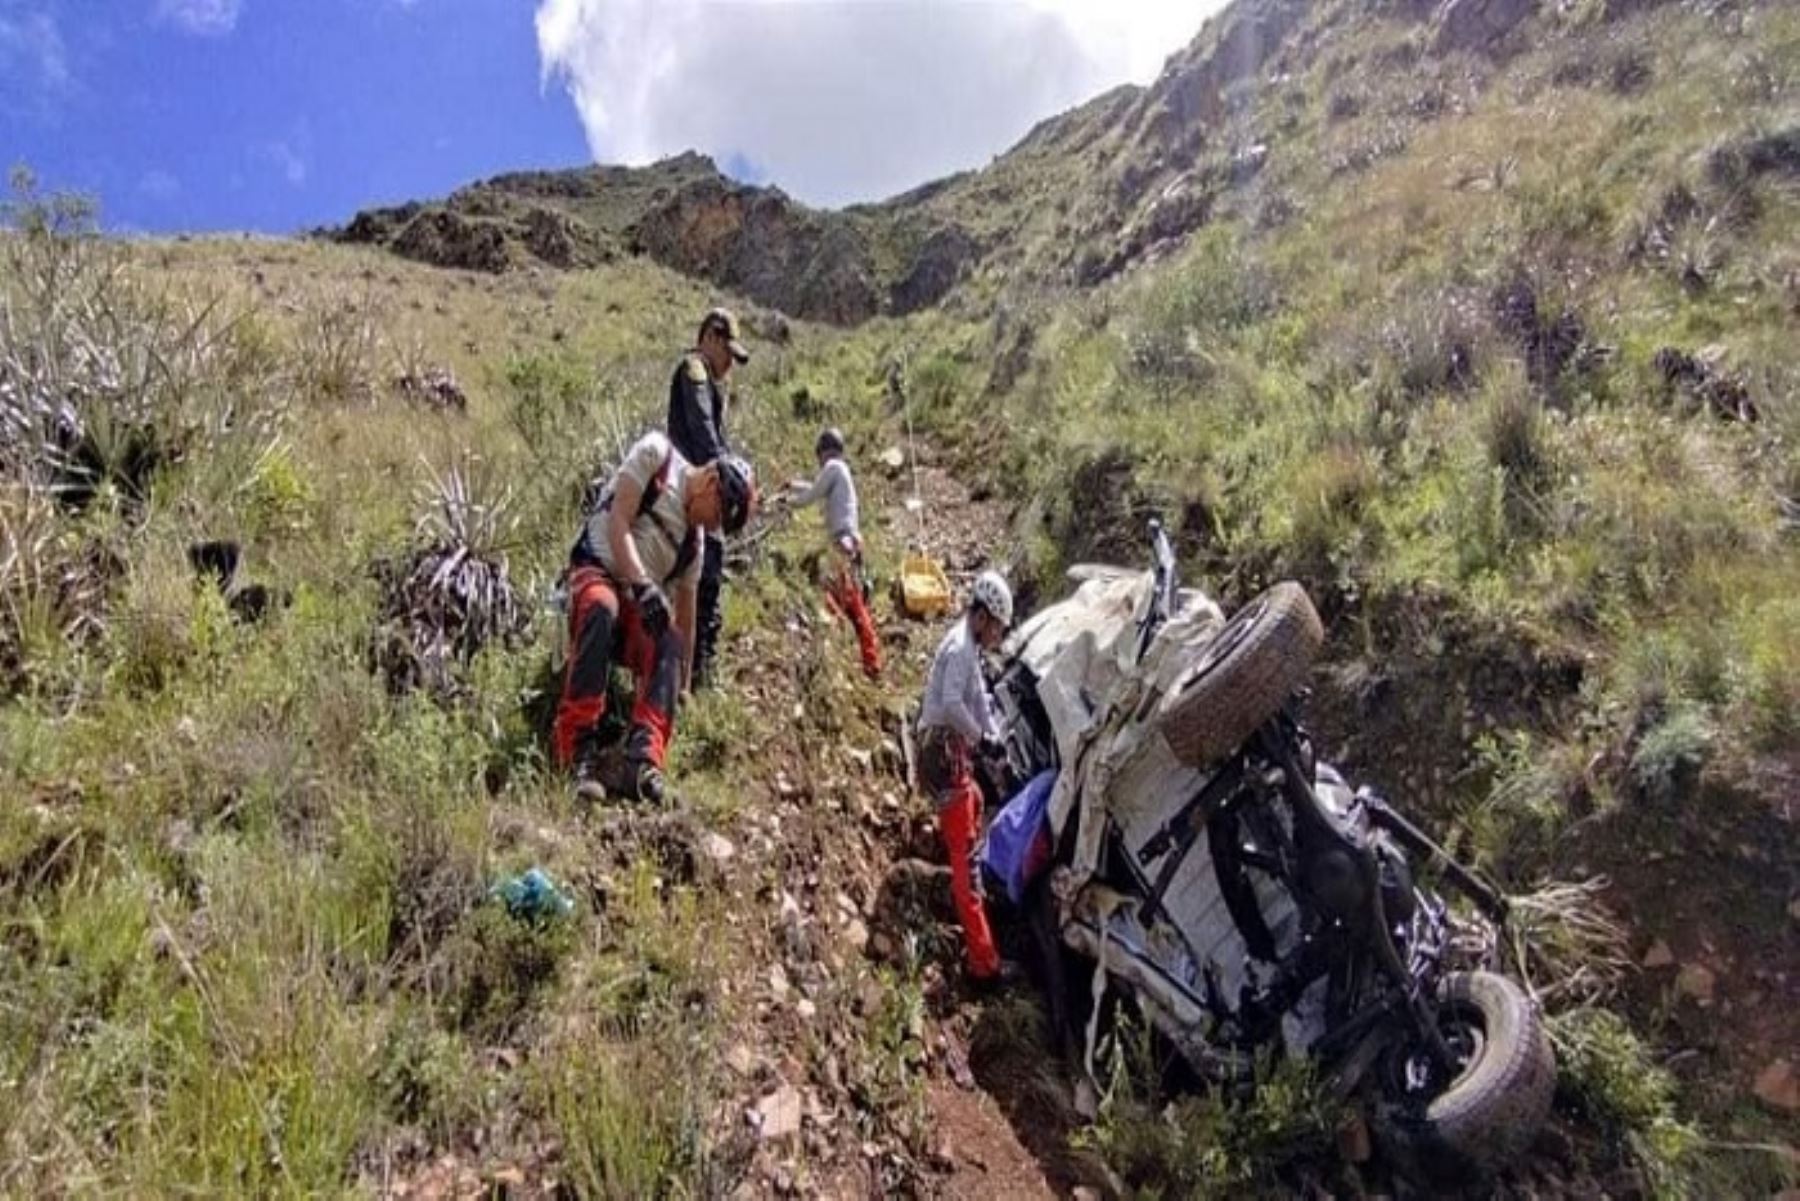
(1489, 1114)
(1242, 676)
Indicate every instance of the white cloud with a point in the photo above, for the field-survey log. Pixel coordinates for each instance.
(33, 59)
(286, 160)
(290, 156)
(853, 100)
(203, 18)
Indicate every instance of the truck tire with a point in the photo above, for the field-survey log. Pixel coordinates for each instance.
(1490, 1114)
(1242, 676)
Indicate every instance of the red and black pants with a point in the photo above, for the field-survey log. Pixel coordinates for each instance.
(946, 770)
(844, 592)
(603, 625)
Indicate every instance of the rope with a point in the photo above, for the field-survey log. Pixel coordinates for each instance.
(917, 500)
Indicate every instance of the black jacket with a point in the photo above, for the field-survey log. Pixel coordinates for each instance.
(696, 412)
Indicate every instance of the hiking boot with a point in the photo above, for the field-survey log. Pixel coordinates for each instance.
(645, 782)
(589, 786)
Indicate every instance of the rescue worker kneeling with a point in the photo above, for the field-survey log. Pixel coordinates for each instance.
(633, 583)
(955, 721)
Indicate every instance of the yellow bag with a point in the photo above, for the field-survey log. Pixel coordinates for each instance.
(924, 588)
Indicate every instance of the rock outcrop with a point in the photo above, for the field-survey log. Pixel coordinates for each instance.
(1478, 25)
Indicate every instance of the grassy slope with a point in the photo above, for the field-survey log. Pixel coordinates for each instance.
(245, 948)
(242, 940)
(1563, 605)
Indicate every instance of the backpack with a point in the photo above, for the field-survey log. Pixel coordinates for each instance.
(581, 554)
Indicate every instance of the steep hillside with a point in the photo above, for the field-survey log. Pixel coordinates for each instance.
(1478, 319)
(1120, 180)
(1495, 351)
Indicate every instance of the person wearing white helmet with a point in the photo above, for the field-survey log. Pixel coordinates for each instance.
(955, 718)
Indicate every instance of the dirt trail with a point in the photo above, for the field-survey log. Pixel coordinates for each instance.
(956, 1098)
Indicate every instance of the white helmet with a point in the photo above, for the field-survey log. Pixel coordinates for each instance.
(992, 594)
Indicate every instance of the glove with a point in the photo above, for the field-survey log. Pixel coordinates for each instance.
(653, 607)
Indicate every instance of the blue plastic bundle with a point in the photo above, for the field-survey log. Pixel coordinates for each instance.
(1018, 846)
(533, 896)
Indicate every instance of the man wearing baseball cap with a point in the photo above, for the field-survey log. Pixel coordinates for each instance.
(698, 405)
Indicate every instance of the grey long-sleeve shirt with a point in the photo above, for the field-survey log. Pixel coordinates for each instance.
(956, 696)
(837, 489)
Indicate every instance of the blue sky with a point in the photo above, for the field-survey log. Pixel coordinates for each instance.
(280, 115)
(299, 113)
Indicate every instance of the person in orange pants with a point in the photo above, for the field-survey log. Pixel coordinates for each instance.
(846, 594)
(954, 719)
(836, 488)
(642, 537)
(604, 618)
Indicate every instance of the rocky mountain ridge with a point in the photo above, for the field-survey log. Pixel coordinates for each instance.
(1082, 197)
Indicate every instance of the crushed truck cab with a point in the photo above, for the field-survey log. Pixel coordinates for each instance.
(1247, 895)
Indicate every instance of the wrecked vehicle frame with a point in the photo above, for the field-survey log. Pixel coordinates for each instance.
(1210, 865)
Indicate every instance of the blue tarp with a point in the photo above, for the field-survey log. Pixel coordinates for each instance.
(1017, 847)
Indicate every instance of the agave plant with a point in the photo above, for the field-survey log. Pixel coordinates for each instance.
(452, 593)
(53, 587)
(102, 381)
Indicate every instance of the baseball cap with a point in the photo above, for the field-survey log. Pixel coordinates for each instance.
(726, 322)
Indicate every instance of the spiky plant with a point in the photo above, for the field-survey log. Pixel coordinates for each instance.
(102, 381)
(452, 593)
(338, 350)
(53, 586)
(1566, 945)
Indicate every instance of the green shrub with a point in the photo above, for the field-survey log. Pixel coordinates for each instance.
(548, 393)
(1515, 436)
(499, 967)
(1326, 501)
(888, 1075)
(1769, 669)
(426, 1077)
(714, 728)
(1214, 290)
(278, 497)
(1608, 1075)
(1209, 1146)
(1528, 803)
(1669, 756)
(630, 1114)
(165, 625)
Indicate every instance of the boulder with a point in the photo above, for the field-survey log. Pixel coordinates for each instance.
(777, 1116)
(1697, 982)
(1778, 1087)
(442, 238)
(1477, 25)
(717, 849)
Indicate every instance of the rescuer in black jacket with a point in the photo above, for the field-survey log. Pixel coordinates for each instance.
(698, 404)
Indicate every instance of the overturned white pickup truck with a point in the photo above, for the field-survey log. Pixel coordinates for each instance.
(1240, 889)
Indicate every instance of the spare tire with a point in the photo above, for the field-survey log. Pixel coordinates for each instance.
(1242, 676)
(1490, 1113)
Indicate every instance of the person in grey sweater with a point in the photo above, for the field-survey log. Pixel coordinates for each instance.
(955, 721)
(836, 490)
